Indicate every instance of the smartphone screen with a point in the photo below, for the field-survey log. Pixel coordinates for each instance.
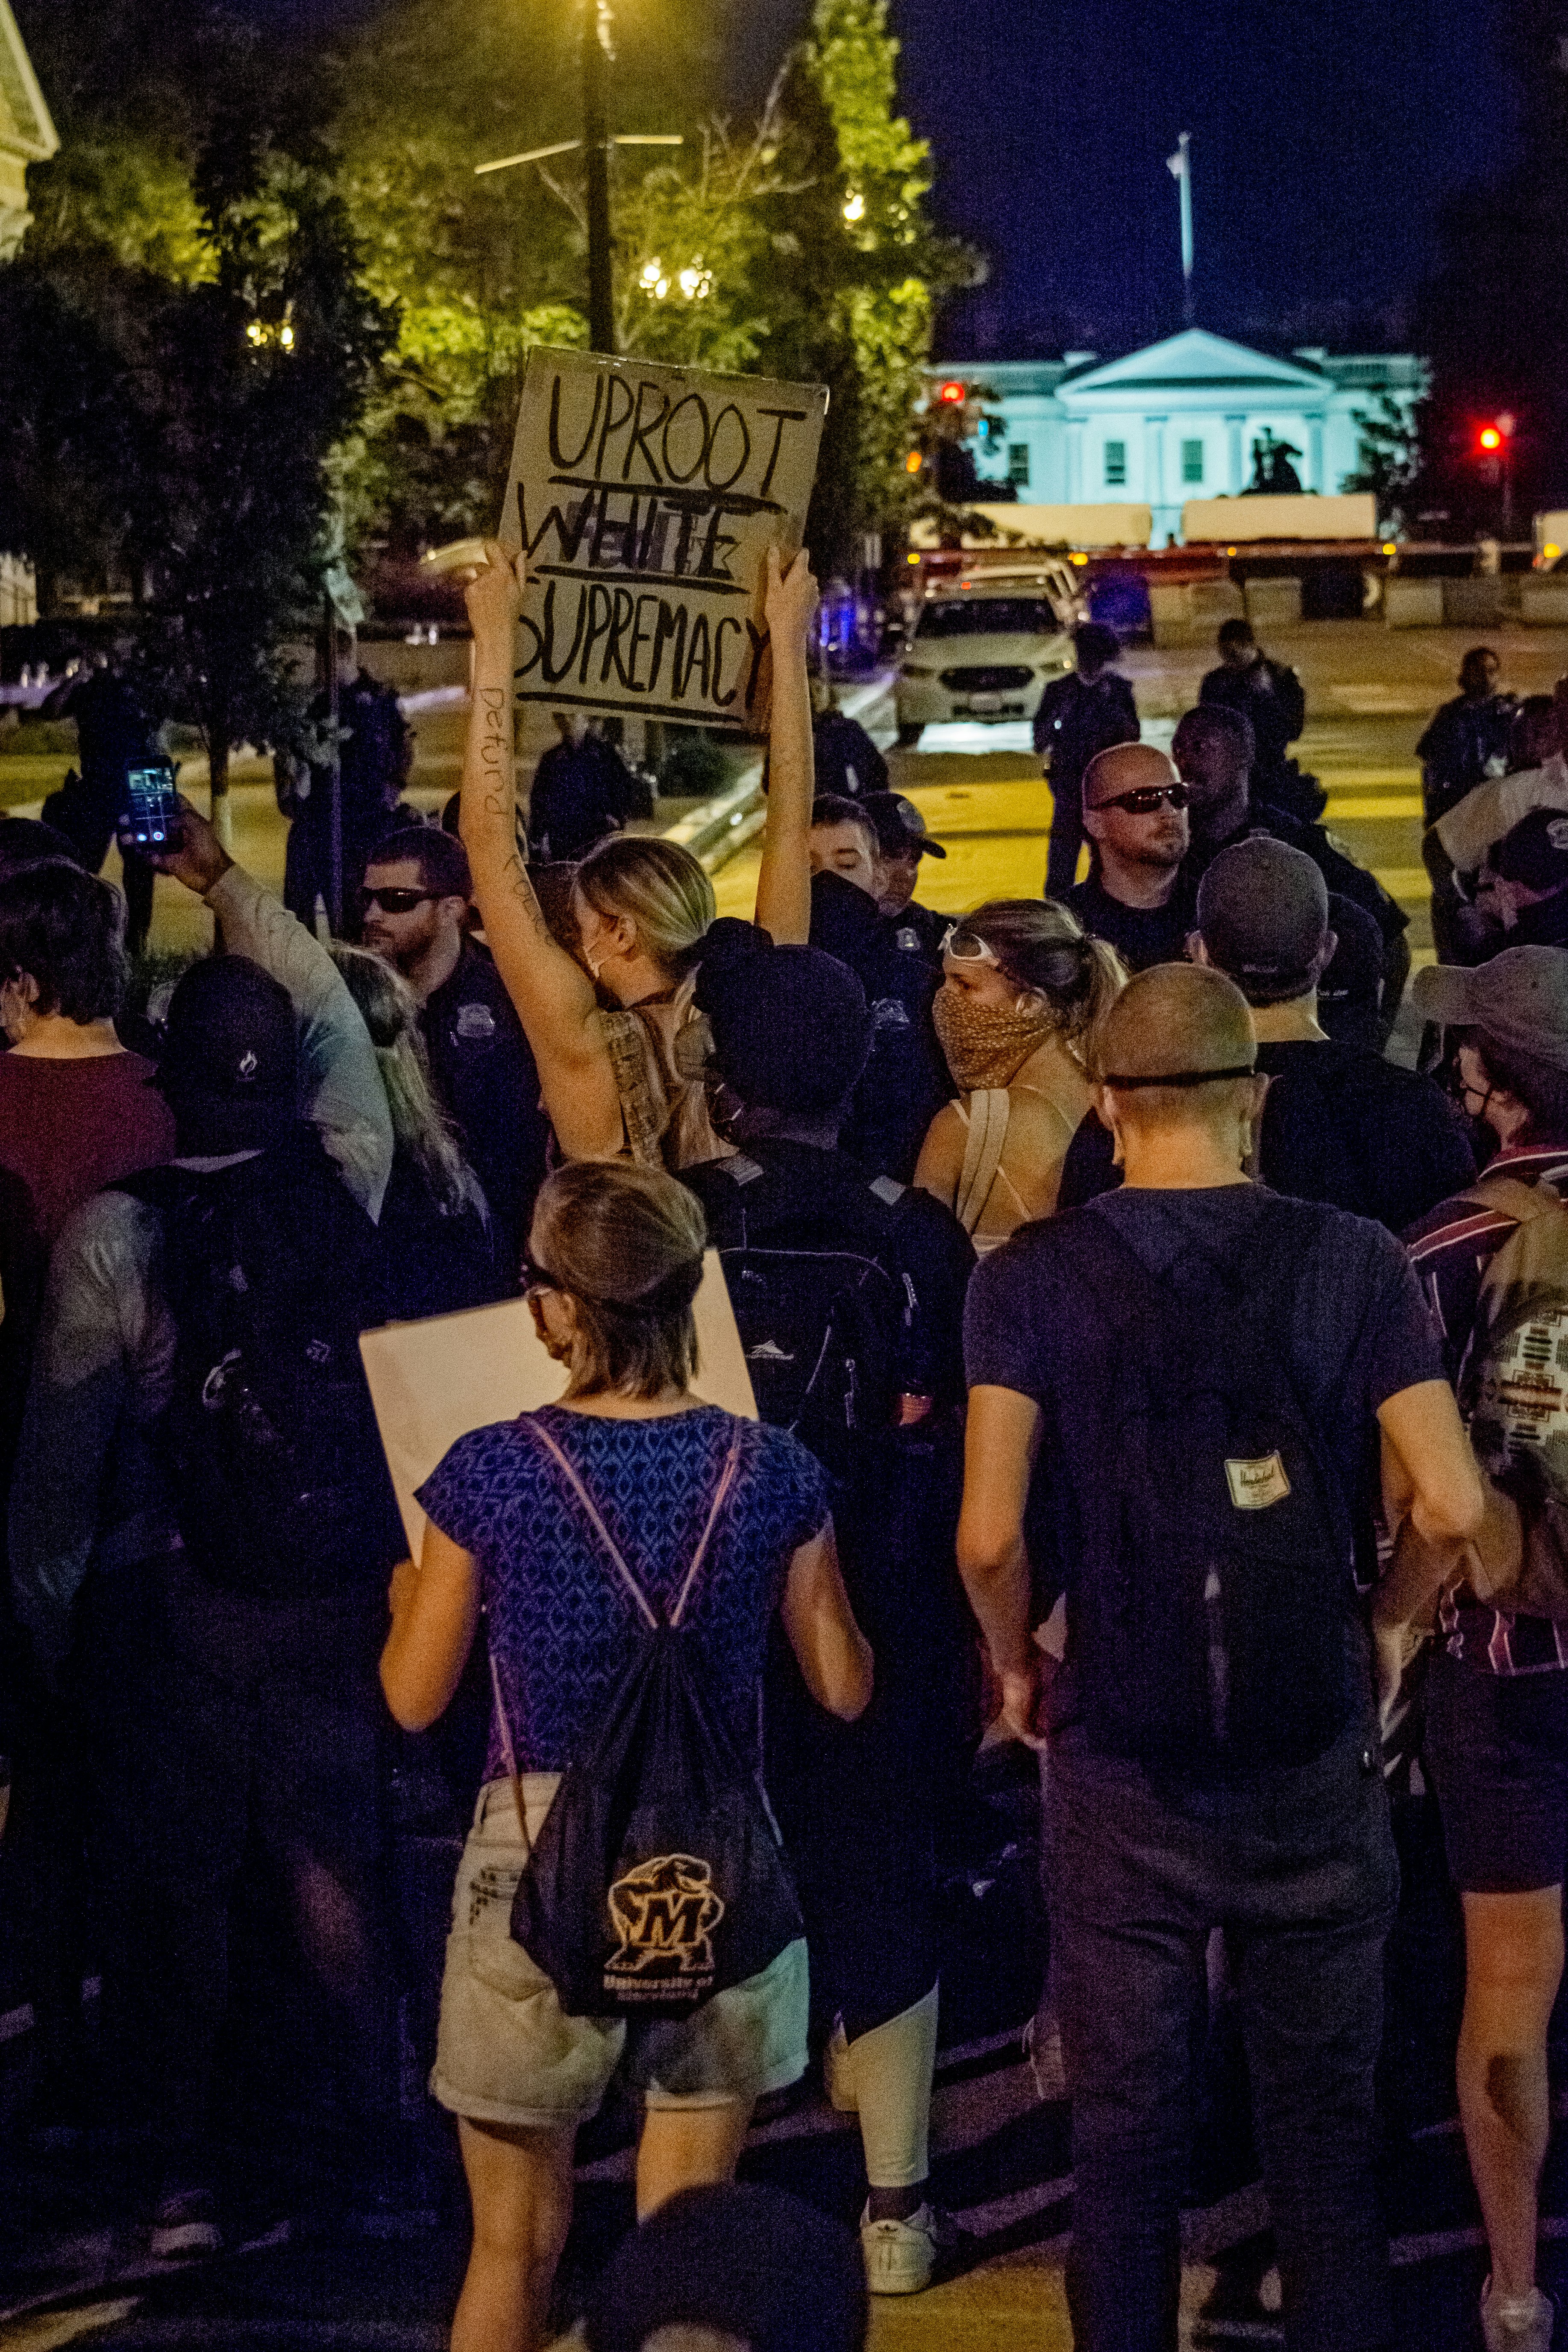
(152, 819)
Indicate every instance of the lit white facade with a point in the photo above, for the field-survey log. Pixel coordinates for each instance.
(1176, 421)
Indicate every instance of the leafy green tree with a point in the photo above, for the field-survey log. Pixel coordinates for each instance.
(1391, 459)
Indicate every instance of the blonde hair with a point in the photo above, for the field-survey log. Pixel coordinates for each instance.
(657, 886)
(626, 1245)
(390, 1011)
(1042, 947)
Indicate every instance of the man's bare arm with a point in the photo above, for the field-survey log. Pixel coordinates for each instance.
(1001, 1440)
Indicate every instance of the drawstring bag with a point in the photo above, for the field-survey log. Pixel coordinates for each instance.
(656, 1879)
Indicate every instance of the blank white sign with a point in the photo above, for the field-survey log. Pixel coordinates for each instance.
(433, 1380)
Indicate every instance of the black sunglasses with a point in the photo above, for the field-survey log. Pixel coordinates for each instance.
(396, 901)
(1148, 798)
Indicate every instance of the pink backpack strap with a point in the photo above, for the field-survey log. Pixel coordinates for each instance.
(649, 1615)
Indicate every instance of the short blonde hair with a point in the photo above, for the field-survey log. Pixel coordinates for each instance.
(624, 1244)
(657, 885)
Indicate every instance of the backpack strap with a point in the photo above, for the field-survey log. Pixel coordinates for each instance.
(990, 1108)
(649, 1614)
(1525, 1203)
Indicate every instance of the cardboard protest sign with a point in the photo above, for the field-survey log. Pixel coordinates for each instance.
(432, 1382)
(646, 499)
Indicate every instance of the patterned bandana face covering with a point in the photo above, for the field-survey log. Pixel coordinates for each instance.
(987, 1044)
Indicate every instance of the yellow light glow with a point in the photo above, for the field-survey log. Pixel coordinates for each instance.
(855, 206)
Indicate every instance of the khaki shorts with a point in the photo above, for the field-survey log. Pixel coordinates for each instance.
(506, 2053)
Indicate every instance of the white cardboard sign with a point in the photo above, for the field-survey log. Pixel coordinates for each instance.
(646, 498)
(432, 1382)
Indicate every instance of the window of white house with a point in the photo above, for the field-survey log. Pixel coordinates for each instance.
(1018, 463)
(1115, 464)
(1192, 461)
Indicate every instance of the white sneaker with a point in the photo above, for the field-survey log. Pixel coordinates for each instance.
(1514, 2323)
(902, 2256)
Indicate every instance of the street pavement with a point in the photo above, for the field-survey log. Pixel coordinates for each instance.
(72, 2258)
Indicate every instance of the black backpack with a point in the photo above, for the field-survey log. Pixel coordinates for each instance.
(1207, 1549)
(271, 1273)
(657, 1880)
(821, 1329)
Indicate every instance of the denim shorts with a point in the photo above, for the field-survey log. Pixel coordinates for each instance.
(1497, 1748)
(507, 2053)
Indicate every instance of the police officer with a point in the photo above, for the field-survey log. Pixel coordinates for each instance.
(416, 903)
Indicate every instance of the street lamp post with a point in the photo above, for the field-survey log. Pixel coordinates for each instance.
(596, 142)
(596, 150)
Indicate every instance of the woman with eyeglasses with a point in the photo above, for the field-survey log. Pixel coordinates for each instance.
(627, 1078)
(1022, 986)
(616, 1258)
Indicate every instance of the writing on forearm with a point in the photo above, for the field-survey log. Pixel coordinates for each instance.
(495, 750)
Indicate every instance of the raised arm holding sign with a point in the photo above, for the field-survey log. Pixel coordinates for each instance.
(624, 1081)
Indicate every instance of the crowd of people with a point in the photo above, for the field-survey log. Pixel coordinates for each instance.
(1143, 1375)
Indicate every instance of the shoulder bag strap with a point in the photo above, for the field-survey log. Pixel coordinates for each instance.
(508, 1751)
(990, 1108)
(1508, 1197)
(727, 1480)
(644, 1606)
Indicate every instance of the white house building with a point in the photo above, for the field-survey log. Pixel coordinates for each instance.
(1186, 418)
(27, 134)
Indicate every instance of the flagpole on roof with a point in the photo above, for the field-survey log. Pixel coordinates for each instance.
(1180, 166)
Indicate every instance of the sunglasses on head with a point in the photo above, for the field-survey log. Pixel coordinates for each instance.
(1148, 798)
(966, 947)
(392, 901)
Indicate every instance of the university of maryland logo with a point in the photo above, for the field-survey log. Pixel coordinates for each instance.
(664, 1911)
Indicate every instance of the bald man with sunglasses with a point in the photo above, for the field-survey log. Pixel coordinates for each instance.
(1137, 895)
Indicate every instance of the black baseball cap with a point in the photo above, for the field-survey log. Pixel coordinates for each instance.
(1535, 853)
(899, 825)
(230, 1065)
(1263, 917)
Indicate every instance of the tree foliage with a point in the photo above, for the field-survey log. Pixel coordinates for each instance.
(174, 428)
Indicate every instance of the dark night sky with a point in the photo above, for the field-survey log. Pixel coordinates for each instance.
(1326, 134)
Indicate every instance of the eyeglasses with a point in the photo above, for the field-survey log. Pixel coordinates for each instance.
(397, 902)
(1148, 798)
(966, 947)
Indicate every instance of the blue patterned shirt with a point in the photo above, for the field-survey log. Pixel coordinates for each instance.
(563, 1626)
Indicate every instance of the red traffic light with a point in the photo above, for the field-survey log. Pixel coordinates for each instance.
(1489, 437)
(952, 394)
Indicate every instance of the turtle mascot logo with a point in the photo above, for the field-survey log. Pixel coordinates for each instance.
(664, 1911)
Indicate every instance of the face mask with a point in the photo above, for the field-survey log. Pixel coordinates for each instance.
(987, 1044)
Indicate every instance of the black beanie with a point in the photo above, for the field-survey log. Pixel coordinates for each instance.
(791, 1031)
(750, 2260)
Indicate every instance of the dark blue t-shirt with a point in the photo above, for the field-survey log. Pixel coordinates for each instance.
(1356, 1332)
(562, 1627)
